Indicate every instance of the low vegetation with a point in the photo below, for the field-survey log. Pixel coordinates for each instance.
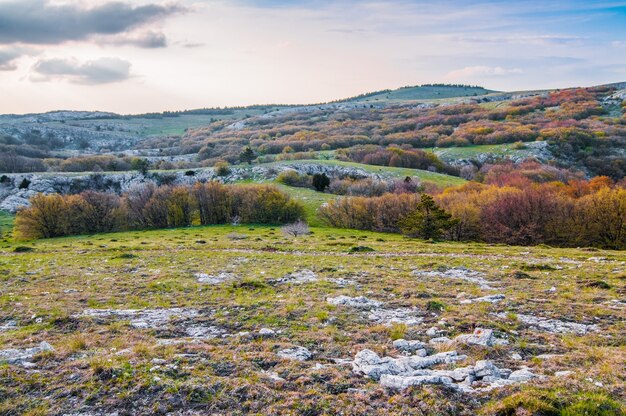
(580, 213)
(148, 206)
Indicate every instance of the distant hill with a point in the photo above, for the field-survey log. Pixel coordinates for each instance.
(421, 92)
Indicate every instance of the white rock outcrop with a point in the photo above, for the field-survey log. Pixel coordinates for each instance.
(404, 372)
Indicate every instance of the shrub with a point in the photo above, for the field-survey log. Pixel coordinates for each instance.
(361, 249)
(292, 178)
(377, 214)
(263, 204)
(222, 168)
(214, 203)
(46, 217)
(296, 229)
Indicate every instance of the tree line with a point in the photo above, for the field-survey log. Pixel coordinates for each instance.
(148, 206)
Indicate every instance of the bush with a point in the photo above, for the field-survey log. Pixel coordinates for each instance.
(264, 204)
(376, 214)
(222, 168)
(214, 203)
(292, 178)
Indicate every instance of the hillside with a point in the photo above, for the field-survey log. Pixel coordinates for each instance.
(422, 92)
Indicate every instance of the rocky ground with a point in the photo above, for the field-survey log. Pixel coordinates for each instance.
(195, 321)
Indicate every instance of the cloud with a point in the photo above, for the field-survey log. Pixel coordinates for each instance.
(41, 22)
(482, 70)
(10, 55)
(539, 40)
(99, 71)
(148, 40)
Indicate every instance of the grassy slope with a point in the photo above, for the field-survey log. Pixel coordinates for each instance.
(470, 152)
(166, 126)
(426, 176)
(6, 222)
(423, 93)
(100, 361)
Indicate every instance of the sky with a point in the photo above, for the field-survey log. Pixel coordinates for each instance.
(136, 56)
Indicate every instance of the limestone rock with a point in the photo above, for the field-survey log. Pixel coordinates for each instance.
(295, 353)
(408, 346)
(359, 302)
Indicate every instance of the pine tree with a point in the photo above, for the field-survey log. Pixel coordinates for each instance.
(320, 182)
(427, 221)
(247, 155)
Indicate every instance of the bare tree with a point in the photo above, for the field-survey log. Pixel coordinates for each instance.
(296, 229)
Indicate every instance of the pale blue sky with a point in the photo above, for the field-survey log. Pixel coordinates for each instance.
(148, 55)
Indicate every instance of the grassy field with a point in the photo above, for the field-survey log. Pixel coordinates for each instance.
(310, 199)
(208, 356)
(472, 152)
(438, 179)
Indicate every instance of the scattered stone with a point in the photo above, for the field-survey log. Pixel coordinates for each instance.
(21, 356)
(482, 337)
(404, 382)
(460, 273)
(440, 341)
(299, 277)
(486, 368)
(489, 299)
(409, 346)
(273, 376)
(295, 353)
(267, 333)
(204, 332)
(554, 326)
(141, 318)
(522, 375)
(360, 302)
(8, 326)
(215, 279)
(565, 373)
(433, 331)
(406, 316)
(515, 356)
(342, 282)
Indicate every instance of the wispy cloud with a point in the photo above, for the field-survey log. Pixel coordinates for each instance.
(99, 71)
(470, 72)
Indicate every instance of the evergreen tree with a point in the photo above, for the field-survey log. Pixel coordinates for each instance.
(247, 155)
(427, 221)
(320, 182)
(140, 165)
